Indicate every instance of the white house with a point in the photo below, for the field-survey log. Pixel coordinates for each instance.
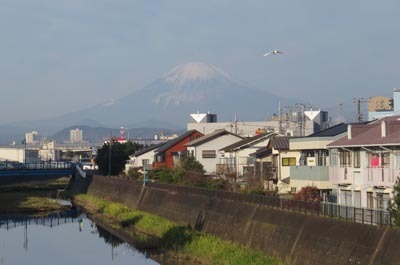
(237, 157)
(206, 148)
(365, 163)
(142, 158)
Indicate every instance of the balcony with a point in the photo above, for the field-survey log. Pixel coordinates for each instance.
(309, 173)
(379, 176)
(340, 175)
(382, 176)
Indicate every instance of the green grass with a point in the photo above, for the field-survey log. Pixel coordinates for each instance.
(207, 248)
(39, 204)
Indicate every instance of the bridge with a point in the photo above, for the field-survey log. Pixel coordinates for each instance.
(38, 169)
(22, 172)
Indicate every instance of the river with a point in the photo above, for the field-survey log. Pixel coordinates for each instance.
(63, 239)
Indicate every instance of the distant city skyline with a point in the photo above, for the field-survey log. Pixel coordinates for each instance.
(62, 56)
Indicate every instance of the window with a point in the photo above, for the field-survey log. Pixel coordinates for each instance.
(145, 162)
(208, 154)
(322, 155)
(370, 200)
(345, 158)
(379, 159)
(356, 157)
(288, 161)
(385, 159)
(357, 199)
(160, 158)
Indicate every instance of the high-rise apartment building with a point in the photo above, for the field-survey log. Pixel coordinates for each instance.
(75, 136)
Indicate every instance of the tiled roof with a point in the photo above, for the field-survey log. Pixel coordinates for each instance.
(280, 142)
(371, 134)
(246, 142)
(209, 137)
(173, 142)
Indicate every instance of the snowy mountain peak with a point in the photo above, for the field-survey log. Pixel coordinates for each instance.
(193, 71)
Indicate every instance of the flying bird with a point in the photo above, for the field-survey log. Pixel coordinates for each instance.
(275, 52)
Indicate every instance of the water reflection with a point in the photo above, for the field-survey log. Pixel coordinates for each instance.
(62, 239)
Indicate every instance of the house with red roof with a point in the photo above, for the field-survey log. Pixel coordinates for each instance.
(169, 154)
(365, 163)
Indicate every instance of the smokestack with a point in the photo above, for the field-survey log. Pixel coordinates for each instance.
(349, 131)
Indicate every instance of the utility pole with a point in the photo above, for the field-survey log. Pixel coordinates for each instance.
(358, 101)
(280, 118)
(109, 155)
(303, 120)
(236, 121)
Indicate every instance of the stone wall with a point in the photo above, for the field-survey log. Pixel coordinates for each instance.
(297, 238)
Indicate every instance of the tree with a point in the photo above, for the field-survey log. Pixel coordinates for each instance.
(164, 174)
(187, 172)
(307, 198)
(394, 206)
(308, 194)
(119, 154)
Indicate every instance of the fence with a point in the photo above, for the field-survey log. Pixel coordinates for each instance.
(326, 209)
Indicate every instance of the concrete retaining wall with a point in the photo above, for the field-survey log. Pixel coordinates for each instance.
(301, 239)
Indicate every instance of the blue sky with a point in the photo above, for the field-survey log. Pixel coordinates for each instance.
(63, 55)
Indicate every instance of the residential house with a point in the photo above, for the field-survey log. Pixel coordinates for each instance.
(236, 157)
(273, 163)
(168, 154)
(142, 159)
(365, 163)
(312, 169)
(206, 148)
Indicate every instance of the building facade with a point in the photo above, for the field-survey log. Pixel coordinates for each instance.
(365, 164)
(75, 136)
(206, 149)
(169, 154)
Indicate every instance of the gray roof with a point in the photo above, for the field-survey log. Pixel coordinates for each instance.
(331, 131)
(262, 152)
(210, 136)
(148, 149)
(280, 142)
(173, 142)
(246, 142)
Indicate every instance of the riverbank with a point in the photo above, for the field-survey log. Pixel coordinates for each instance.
(32, 197)
(157, 232)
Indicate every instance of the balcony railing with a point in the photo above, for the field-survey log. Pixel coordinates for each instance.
(340, 175)
(313, 173)
(382, 176)
(379, 176)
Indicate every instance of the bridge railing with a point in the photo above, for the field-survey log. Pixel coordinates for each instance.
(37, 165)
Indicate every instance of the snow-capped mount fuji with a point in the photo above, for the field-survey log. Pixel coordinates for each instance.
(168, 101)
(194, 87)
